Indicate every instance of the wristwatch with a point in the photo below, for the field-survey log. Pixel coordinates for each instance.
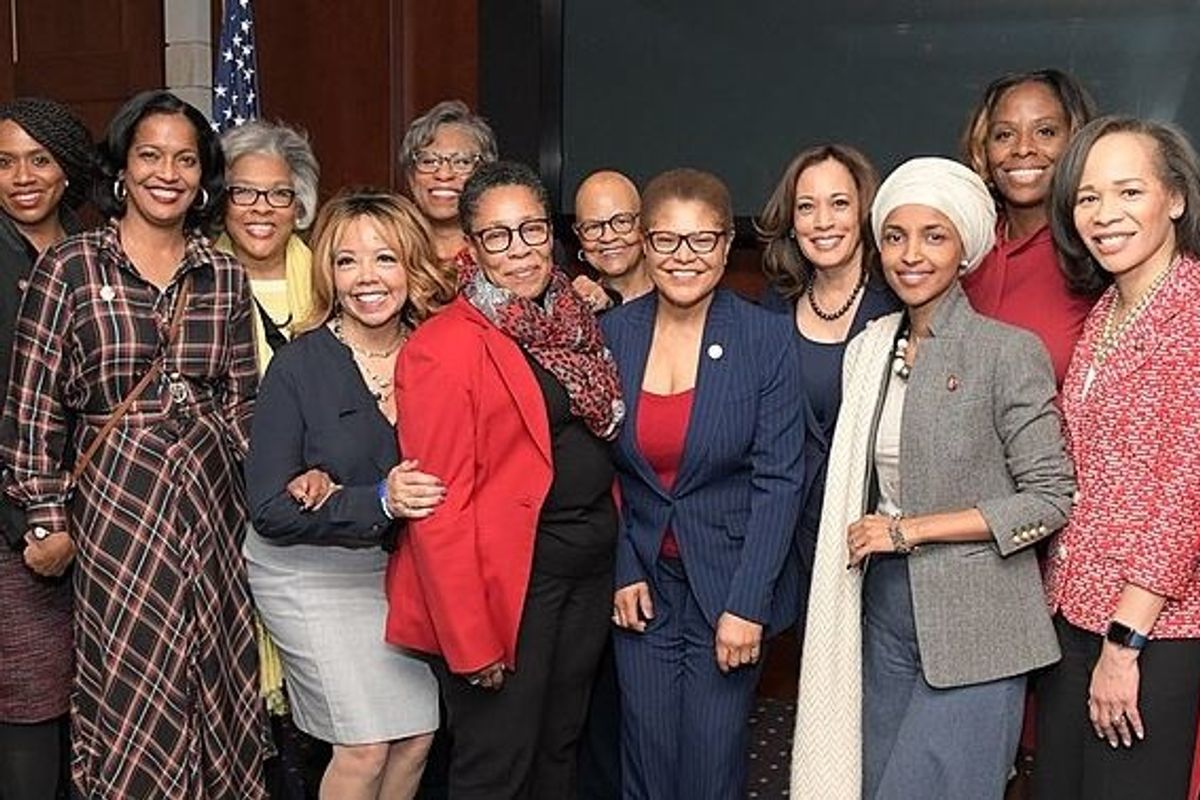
(1122, 634)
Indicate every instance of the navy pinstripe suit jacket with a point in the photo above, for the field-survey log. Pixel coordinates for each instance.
(738, 490)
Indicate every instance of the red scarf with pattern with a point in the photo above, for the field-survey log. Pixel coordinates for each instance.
(560, 332)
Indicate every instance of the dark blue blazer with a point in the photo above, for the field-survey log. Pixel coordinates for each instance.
(737, 493)
(314, 410)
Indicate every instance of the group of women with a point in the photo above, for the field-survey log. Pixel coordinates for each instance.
(461, 484)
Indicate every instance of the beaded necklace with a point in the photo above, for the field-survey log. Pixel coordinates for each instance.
(831, 316)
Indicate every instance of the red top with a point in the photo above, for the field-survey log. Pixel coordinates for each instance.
(1135, 440)
(662, 422)
(1020, 282)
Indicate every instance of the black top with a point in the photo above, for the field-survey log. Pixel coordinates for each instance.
(577, 528)
(822, 368)
(314, 410)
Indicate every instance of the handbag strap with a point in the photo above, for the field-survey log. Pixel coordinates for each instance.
(152, 374)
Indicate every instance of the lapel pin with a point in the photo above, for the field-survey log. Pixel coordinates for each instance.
(715, 351)
(107, 293)
(952, 382)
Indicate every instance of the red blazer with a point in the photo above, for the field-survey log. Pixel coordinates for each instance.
(471, 412)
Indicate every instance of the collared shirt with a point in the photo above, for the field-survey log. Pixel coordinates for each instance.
(1020, 282)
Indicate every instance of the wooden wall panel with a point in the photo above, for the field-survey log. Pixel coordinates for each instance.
(355, 74)
(92, 56)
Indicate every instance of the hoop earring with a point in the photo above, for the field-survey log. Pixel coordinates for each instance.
(203, 197)
(118, 189)
(580, 256)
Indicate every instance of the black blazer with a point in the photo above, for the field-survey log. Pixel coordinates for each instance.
(314, 410)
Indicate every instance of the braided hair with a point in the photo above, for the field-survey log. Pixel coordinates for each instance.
(57, 128)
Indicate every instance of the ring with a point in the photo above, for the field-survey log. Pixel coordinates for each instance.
(1118, 719)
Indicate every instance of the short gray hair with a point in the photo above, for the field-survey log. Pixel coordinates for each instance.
(278, 139)
(448, 112)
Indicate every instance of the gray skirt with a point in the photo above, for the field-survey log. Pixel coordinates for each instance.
(325, 608)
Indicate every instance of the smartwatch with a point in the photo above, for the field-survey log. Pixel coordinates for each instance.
(1122, 634)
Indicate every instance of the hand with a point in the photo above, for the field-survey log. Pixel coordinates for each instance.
(592, 293)
(412, 494)
(1113, 695)
(868, 535)
(311, 489)
(738, 642)
(632, 606)
(490, 677)
(51, 556)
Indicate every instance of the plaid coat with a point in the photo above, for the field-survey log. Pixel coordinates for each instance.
(165, 700)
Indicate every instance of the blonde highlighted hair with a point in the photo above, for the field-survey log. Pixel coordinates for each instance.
(431, 284)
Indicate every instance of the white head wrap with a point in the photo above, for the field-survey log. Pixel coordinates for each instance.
(948, 187)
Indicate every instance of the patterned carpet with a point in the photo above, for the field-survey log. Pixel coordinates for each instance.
(770, 748)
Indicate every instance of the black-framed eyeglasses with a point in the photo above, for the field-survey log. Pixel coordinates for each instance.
(498, 238)
(248, 196)
(700, 242)
(429, 162)
(592, 229)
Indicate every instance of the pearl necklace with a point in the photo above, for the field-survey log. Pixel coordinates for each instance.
(900, 365)
(841, 312)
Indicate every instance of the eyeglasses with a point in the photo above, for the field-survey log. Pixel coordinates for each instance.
(429, 162)
(248, 196)
(700, 242)
(592, 229)
(498, 238)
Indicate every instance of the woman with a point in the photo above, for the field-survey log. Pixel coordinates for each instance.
(271, 179)
(1014, 139)
(46, 158)
(912, 683)
(607, 207)
(164, 702)
(319, 460)
(1117, 717)
(710, 476)
(510, 397)
(441, 150)
(822, 270)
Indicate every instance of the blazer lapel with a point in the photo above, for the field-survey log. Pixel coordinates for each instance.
(714, 380)
(634, 348)
(518, 377)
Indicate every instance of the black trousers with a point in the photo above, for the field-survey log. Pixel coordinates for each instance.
(1072, 762)
(519, 743)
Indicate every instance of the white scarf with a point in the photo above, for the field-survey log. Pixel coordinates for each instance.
(827, 748)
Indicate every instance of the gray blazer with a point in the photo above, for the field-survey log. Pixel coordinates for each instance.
(980, 429)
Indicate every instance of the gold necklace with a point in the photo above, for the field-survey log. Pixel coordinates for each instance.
(382, 387)
(1111, 333)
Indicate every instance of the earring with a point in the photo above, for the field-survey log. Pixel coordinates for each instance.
(203, 198)
(66, 182)
(962, 265)
(118, 189)
(579, 255)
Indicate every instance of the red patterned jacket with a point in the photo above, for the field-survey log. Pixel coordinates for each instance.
(1134, 437)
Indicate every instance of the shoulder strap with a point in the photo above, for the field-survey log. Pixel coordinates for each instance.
(151, 374)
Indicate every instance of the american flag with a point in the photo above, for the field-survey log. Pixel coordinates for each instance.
(235, 84)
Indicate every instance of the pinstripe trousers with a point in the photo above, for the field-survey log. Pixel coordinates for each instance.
(684, 724)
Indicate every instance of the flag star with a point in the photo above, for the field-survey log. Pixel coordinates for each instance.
(237, 39)
(220, 91)
(227, 113)
(250, 97)
(227, 55)
(216, 127)
(245, 26)
(243, 3)
(247, 50)
(239, 62)
(238, 120)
